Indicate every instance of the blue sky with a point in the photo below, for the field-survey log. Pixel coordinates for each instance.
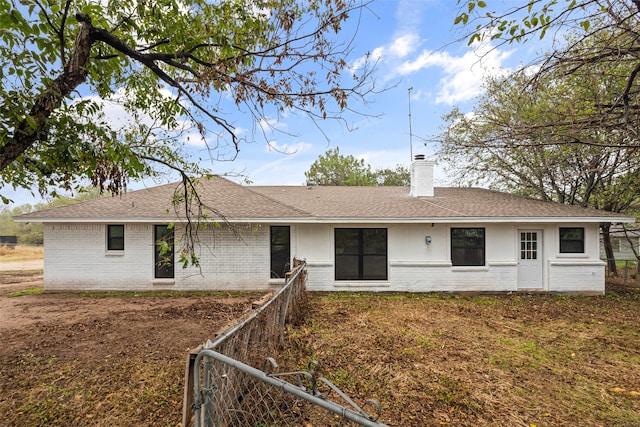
(414, 43)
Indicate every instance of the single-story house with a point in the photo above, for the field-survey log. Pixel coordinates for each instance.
(623, 244)
(353, 238)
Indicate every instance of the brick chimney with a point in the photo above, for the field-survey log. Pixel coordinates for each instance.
(422, 177)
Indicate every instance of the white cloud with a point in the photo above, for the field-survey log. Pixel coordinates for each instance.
(118, 117)
(420, 94)
(463, 75)
(268, 124)
(404, 45)
(401, 46)
(285, 170)
(194, 139)
(114, 113)
(239, 131)
(297, 147)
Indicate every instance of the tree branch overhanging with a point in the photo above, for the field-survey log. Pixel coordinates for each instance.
(263, 72)
(34, 125)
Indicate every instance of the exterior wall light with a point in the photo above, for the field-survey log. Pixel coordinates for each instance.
(427, 240)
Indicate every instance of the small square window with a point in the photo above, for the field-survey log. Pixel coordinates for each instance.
(115, 237)
(572, 240)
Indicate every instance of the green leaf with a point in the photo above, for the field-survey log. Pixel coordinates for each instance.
(31, 122)
(460, 18)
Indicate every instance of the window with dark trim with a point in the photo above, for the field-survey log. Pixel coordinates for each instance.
(280, 251)
(467, 247)
(571, 240)
(115, 237)
(361, 253)
(163, 254)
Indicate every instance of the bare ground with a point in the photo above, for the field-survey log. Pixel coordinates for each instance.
(100, 360)
(431, 360)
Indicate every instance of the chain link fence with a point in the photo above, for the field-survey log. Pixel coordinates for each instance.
(235, 394)
(627, 277)
(223, 387)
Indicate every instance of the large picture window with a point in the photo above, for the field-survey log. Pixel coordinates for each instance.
(572, 240)
(280, 251)
(467, 247)
(115, 237)
(361, 253)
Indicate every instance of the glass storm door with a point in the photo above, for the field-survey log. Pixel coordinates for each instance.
(530, 259)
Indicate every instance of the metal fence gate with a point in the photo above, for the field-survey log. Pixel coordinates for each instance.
(223, 388)
(234, 394)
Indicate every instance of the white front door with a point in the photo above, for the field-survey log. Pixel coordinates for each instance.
(530, 259)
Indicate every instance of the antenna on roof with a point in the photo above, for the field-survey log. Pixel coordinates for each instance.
(410, 133)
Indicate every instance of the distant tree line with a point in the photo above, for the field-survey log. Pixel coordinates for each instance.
(27, 234)
(333, 168)
(32, 233)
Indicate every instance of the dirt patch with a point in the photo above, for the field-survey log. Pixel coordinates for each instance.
(72, 360)
(16, 275)
(21, 265)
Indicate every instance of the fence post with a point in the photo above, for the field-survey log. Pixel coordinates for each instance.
(187, 399)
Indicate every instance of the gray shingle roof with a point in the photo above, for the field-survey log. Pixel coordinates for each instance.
(155, 204)
(318, 203)
(395, 203)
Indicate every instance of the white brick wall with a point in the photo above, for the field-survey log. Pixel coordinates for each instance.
(415, 266)
(76, 258)
(230, 262)
(576, 276)
(426, 278)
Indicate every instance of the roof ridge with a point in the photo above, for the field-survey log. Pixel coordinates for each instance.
(431, 202)
(249, 188)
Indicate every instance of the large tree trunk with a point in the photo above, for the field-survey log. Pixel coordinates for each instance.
(608, 248)
(27, 132)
